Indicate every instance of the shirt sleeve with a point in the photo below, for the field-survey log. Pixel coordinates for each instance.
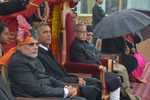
(65, 92)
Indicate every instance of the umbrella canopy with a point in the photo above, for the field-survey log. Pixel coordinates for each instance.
(121, 23)
(145, 32)
(145, 11)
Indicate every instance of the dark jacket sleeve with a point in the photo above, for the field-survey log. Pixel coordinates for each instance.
(13, 6)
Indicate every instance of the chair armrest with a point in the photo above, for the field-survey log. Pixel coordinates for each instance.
(82, 75)
(75, 67)
(108, 63)
(95, 70)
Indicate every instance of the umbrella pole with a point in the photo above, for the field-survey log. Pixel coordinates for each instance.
(120, 5)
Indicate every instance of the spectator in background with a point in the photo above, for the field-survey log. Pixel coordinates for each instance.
(98, 14)
(5, 94)
(4, 36)
(74, 15)
(12, 6)
(130, 41)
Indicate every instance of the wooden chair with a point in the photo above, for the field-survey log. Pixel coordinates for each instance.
(75, 67)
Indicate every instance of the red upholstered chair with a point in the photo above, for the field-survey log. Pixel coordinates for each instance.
(75, 67)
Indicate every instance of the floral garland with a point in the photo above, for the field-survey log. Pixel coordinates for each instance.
(56, 28)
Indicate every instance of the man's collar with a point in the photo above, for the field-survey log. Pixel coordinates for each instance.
(99, 5)
(42, 46)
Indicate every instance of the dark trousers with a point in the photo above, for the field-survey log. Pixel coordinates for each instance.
(92, 90)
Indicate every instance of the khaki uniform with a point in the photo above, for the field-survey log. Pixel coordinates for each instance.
(125, 89)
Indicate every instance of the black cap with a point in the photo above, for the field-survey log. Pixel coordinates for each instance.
(89, 28)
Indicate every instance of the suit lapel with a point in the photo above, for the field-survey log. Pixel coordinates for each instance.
(52, 63)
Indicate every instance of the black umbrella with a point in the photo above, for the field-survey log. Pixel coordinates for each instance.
(121, 23)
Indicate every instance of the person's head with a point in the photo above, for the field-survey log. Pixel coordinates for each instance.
(44, 34)
(29, 45)
(80, 31)
(29, 49)
(4, 33)
(99, 1)
(89, 37)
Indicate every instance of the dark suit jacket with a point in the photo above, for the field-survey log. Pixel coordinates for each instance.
(98, 14)
(5, 94)
(80, 52)
(13, 6)
(29, 79)
(53, 68)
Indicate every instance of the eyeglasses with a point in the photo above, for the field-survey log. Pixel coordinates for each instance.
(32, 44)
(82, 31)
(89, 34)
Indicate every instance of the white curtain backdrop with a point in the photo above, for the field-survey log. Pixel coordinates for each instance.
(144, 4)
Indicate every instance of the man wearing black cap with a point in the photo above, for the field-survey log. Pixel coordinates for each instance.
(89, 40)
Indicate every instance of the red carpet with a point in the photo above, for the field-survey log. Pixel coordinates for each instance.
(143, 90)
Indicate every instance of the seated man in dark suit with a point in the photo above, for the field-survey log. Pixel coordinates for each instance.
(5, 94)
(53, 68)
(80, 51)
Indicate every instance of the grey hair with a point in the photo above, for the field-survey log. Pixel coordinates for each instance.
(77, 26)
